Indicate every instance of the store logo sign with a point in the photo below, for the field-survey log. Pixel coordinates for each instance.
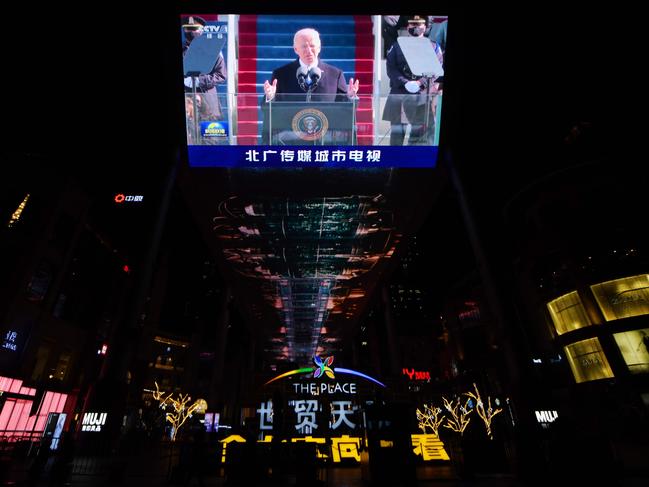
(546, 416)
(93, 421)
(324, 369)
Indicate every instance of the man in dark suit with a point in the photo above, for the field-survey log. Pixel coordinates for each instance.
(306, 78)
(331, 85)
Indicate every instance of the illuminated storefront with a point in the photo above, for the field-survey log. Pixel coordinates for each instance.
(623, 298)
(16, 420)
(634, 346)
(568, 313)
(320, 408)
(587, 360)
(618, 299)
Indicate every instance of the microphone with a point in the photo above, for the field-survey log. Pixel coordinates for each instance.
(315, 74)
(301, 75)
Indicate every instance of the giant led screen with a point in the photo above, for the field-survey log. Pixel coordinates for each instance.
(313, 90)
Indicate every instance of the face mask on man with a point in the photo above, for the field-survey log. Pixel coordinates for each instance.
(190, 35)
(416, 31)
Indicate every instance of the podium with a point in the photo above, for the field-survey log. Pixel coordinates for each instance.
(309, 123)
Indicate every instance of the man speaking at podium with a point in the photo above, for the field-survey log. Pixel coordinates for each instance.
(308, 75)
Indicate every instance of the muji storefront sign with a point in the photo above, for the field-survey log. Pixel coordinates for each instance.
(93, 421)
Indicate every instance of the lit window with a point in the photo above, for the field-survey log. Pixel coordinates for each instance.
(42, 355)
(634, 346)
(623, 298)
(39, 282)
(62, 366)
(587, 361)
(568, 313)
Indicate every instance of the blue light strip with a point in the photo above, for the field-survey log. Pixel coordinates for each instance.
(339, 370)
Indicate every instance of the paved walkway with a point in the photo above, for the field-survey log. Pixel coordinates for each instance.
(16, 474)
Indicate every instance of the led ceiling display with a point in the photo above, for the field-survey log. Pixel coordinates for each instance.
(307, 255)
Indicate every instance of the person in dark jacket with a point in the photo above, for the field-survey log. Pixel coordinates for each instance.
(389, 31)
(209, 108)
(63, 461)
(410, 95)
(319, 81)
(331, 85)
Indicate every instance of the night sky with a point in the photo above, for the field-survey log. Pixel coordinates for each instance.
(528, 91)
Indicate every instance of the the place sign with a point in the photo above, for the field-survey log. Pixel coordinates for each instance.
(323, 369)
(319, 388)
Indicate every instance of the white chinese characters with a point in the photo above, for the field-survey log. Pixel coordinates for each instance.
(313, 155)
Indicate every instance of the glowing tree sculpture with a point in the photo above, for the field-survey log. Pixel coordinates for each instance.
(430, 418)
(459, 415)
(485, 414)
(180, 409)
